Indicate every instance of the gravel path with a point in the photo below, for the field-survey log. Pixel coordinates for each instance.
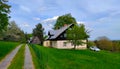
(28, 64)
(7, 60)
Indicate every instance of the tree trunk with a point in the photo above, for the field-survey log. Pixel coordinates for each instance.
(87, 42)
(74, 46)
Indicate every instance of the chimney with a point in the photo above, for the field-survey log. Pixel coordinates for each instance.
(65, 25)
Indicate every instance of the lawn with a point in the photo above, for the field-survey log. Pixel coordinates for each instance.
(6, 47)
(50, 58)
(18, 60)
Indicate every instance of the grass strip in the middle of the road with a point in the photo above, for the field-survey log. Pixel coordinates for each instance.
(18, 60)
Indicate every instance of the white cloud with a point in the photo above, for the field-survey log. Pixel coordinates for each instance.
(50, 25)
(24, 25)
(41, 9)
(80, 22)
(36, 18)
(50, 20)
(55, 17)
(100, 5)
(24, 8)
(117, 12)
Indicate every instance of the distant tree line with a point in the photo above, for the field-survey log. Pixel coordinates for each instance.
(13, 33)
(105, 43)
(9, 31)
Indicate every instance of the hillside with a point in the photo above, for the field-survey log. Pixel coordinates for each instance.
(50, 58)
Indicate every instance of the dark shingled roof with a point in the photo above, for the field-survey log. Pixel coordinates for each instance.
(55, 33)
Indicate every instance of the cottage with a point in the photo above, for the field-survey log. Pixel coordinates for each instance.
(35, 40)
(57, 39)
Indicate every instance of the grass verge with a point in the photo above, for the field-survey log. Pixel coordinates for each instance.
(6, 47)
(18, 60)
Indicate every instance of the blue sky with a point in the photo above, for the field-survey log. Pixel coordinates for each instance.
(101, 17)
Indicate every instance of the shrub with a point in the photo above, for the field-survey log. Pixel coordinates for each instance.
(104, 43)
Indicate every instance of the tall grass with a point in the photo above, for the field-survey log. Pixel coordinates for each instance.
(38, 57)
(18, 60)
(49, 58)
(6, 47)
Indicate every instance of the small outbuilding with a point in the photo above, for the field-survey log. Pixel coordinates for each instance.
(35, 40)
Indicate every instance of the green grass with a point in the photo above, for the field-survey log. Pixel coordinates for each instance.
(6, 47)
(18, 60)
(50, 58)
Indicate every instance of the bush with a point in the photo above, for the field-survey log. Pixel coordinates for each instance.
(105, 44)
(116, 46)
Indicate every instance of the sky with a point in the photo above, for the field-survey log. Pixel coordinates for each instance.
(101, 17)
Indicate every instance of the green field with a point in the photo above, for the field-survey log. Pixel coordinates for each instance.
(50, 58)
(18, 60)
(6, 47)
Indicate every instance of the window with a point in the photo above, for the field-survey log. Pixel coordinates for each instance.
(47, 43)
(54, 43)
(61, 36)
(65, 44)
(65, 35)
